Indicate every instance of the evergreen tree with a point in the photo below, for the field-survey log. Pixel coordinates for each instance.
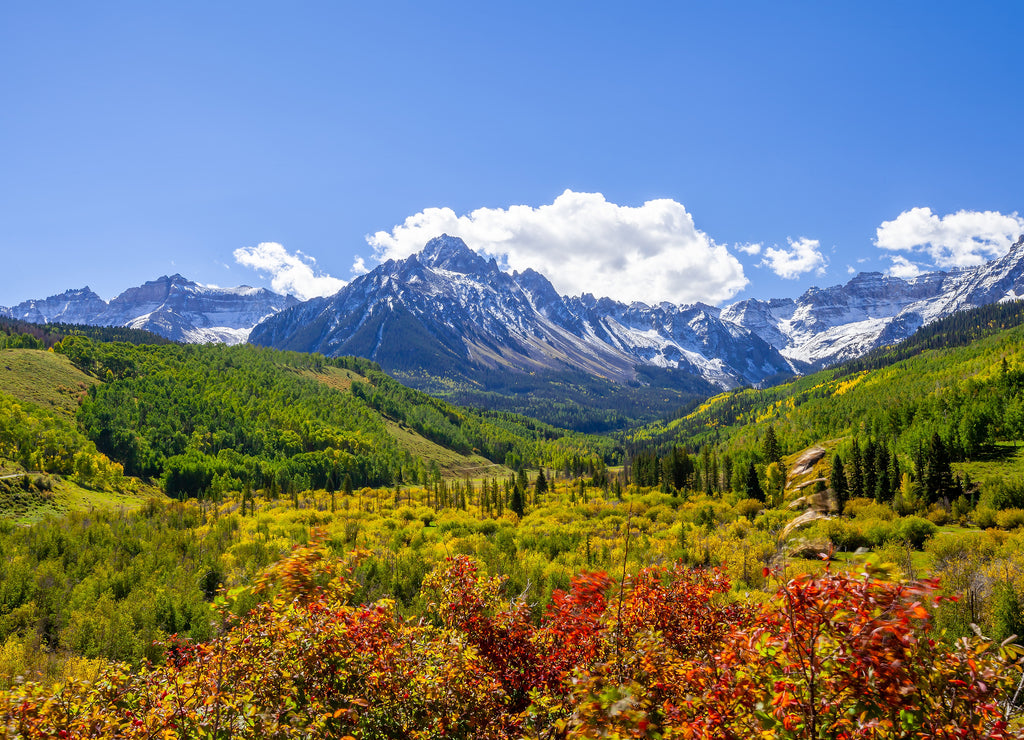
(521, 480)
(837, 481)
(516, 504)
(540, 485)
(869, 471)
(854, 472)
(883, 491)
(705, 460)
(770, 446)
(752, 484)
(938, 477)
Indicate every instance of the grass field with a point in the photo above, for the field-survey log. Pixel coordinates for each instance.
(1004, 461)
(26, 504)
(46, 379)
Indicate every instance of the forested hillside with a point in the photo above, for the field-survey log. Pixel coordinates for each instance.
(960, 402)
(207, 419)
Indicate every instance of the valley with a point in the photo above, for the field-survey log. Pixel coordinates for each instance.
(159, 491)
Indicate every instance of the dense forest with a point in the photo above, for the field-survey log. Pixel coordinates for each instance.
(572, 399)
(207, 419)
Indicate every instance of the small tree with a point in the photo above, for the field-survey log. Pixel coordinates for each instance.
(516, 503)
(752, 484)
(541, 484)
(837, 481)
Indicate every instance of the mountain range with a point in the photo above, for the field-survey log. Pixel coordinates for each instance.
(172, 307)
(448, 313)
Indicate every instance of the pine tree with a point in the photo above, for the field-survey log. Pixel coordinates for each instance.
(752, 484)
(869, 473)
(541, 484)
(882, 492)
(837, 481)
(938, 477)
(516, 504)
(854, 473)
(770, 446)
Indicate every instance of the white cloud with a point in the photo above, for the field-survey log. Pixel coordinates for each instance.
(804, 255)
(583, 243)
(290, 273)
(903, 268)
(359, 266)
(960, 239)
(851, 270)
(749, 248)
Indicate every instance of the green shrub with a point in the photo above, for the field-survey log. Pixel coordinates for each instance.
(914, 530)
(866, 508)
(1010, 518)
(749, 507)
(984, 517)
(938, 515)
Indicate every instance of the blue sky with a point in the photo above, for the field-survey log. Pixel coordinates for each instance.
(771, 141)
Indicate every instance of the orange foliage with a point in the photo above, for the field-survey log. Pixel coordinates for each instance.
(670, 656)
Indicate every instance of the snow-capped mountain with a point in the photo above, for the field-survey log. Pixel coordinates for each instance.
(172, 307)
(826, 326)
(447, 310)
(449, 313)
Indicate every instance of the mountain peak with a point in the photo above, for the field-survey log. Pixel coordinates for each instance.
(451, 253)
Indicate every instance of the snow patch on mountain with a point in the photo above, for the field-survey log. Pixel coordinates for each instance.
(170, 306)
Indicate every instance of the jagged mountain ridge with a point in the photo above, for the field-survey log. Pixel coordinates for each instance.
(826, 326)
(447, 310)
(170, 306)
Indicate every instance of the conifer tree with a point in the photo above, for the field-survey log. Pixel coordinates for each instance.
(854, 474)
(541, 484)
(938, 477)
(883, 491)
(516, 504)
(752, 484)
(869, 472)
(770, 446)
(837, 481)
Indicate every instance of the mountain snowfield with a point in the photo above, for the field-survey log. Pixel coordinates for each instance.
(448, 312)
(173, 307)
(461, 311)
(826, 326)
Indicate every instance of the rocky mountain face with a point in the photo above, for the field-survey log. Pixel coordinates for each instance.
(172, 307)
(449, 313)
(447, 310)
(826, 326)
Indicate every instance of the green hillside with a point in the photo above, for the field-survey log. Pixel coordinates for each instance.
(202, 420)
(47, 465)
(955, 394)
(46, 379)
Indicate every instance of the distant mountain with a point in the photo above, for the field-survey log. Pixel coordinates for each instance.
(172, 307)
(447, 316)
(449, 312)
(826, 326)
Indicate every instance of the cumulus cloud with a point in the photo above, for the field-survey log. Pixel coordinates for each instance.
(290, 273)
(749, 248)
(903, 268)
(586, 244)
(803, 255)
(960, 239)
(359, 266)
